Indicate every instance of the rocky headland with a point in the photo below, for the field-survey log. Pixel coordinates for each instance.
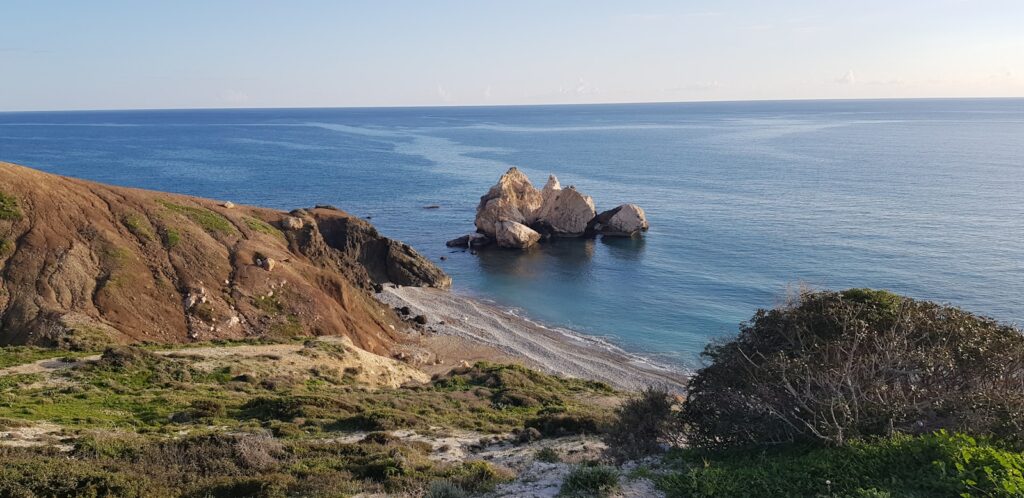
(85, 265)
(514, 214)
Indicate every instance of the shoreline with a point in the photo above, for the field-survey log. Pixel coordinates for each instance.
(472, 322)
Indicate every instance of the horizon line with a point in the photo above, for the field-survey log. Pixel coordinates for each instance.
(458, 106)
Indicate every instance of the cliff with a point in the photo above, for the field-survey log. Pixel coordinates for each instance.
(84, 263)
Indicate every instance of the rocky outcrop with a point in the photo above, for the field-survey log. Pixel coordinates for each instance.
(86, 263)
(512, 198)
(515, 235)
(526, 215)
(627, 220)
(354, 246)
(569, 213)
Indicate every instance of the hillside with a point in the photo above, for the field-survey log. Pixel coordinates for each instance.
(84, 264)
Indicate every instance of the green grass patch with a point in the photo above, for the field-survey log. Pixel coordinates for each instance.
(941, 464)
(6, 247)
(261, 226)
(171, 238)
(151, 425)
(208, 220)
(19, 355)
(9, 209)
(139, 226)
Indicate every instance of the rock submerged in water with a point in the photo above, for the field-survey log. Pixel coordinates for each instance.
(515, 214)
(473, 240)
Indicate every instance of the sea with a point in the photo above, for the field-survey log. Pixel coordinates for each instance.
(747, 201)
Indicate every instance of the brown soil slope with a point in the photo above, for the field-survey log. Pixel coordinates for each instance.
(82, 262)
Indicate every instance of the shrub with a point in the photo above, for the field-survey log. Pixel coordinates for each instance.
(445, 489)
(548, 455)
(642, 425)
(558, 424)
(836, 365)
(588, 481)
(915, 466)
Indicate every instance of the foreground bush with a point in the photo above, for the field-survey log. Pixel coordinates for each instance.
(902, 466)
(643, 425)
(590, 481)
(838, 365)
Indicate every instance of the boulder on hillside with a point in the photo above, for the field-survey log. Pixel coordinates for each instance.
(627, 220)
(515, 235)
(512, 198)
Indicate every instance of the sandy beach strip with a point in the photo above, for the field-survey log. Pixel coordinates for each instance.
(553, 350)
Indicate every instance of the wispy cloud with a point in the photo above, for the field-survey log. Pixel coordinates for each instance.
(444, 94)
(850, 78)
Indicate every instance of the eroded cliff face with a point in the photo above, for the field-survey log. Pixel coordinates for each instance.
(84, 262)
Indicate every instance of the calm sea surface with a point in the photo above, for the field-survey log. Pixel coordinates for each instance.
(922, 197)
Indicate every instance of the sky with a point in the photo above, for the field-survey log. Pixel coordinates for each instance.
(66, 55)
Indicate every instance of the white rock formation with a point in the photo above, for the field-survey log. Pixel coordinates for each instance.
(630, 220)
(512, 198)
(515, 235)
(569, 212)
(548, 197)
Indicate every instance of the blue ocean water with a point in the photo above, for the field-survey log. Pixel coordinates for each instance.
(923, 197)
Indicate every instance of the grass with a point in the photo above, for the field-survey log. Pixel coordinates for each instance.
(940, 464)
(9, 209)
(19, 355)
(171, 238)
(139, 226)
(262, 227)
(6, 247)
(145, 424)
(208, 220)
(135, 389)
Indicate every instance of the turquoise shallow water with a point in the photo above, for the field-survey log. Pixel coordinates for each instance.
(924, 197)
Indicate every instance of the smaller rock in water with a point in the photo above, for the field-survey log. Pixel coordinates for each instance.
(627, 220)
(420, 319)
(471, 240)
(404, 310)
(432, 206)
(515, 235)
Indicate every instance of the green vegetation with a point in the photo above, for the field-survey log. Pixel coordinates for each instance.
(855, 393)
(19, 355)
(9, 209)
(548, 455)
(208, 220)
(590, 481)
(171, 238)
(902, 466)
(262, 227)
(139, 226)
(6, 247)
(263, 436)
(243, 464)
(860, 363)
